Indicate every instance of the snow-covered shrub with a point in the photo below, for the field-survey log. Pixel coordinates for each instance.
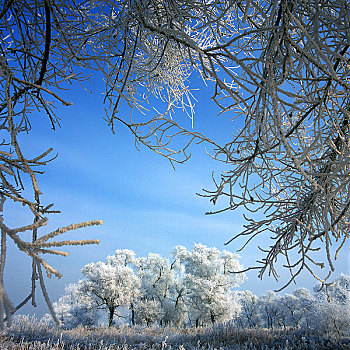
(74, 308)
(28, 327)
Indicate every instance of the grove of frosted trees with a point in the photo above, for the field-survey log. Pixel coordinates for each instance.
(279, 69)
(194, 288)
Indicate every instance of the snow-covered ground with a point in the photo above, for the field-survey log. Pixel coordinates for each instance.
(30, 334)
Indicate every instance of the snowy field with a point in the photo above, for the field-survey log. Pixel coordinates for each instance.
(27, 333)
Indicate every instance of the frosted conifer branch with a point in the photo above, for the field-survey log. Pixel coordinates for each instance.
(62, 243)
(32, 249)
(69, 228)
(50, 251)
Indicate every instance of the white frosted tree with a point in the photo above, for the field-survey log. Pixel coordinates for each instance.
(321, 314)
(290, 310)
(330, 318)
(162, 282)
(122, 257)
(338, 291)
(248, 316)
(127, 257)
(148, 312)
(74, 308)
(110, 286)
(271, 311)
(331, 311)
(175, 307)
(209, 278)
(295, 308)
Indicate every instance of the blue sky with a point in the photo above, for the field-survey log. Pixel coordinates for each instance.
(146, 206)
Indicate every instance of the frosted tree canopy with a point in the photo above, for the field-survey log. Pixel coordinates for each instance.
(279, 69)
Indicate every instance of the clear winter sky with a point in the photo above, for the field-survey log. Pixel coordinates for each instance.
(146, 206)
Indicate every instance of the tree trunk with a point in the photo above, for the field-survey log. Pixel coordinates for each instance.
(212, 317)
(132, 315)
(111, 314)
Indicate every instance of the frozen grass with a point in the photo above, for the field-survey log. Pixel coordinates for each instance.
(27, 333)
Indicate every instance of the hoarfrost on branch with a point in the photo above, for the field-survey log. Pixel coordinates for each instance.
(279, 69)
